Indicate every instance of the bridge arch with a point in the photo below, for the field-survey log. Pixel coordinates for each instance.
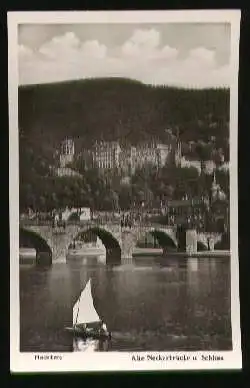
(223, 243)
(111, 243)
(74, 216)
(201, 246)
(164, 239)
(31, 239)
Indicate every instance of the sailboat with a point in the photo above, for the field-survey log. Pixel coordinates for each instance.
(88, 329)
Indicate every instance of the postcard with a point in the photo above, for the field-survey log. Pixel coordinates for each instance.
(123, 191)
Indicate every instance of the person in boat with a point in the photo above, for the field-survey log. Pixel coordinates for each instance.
(108, 333)
(103, 329)
(82, 332)
(105, 337)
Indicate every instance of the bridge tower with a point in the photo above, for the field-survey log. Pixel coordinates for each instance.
(187, 239)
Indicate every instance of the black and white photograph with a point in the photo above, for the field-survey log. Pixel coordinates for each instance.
(123, 190)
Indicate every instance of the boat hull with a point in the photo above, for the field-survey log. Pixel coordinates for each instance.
(90, 341)
(85, 345)
(90, 345)
(88, 330)
(89, 334)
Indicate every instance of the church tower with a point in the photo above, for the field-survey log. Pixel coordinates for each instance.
(178, 154)
(215, 187)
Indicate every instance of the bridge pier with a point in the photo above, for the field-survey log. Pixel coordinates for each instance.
(126, 260)
(44, 258)
(52, 244)
(211, 244)
(191, 241)
(127, 244)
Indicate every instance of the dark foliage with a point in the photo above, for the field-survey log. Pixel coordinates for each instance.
(121, 109)
(112, 109)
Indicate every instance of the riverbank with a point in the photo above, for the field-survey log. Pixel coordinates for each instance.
(148, 252)
(159, 252)
(28, 255)
(206, 254)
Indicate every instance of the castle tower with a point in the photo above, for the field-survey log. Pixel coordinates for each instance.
(67, 152)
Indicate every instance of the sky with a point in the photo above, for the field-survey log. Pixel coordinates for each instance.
(173, 54)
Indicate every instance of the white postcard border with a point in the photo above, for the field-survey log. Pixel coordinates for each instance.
(119, 361)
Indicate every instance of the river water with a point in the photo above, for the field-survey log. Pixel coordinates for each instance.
(183, 305)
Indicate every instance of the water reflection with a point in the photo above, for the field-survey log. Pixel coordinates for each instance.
(193, 280)
(192, 264)
(175, 305)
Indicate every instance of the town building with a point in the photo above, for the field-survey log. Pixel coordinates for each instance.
(178, 154)
(216, 192)
(86, 158)
(126, 160)
(188, 212)
(224, 167)
(145, 154)
(110, 155)
(66, 171)
(154, 154)
(106, 155)
(163, 153)
(66, 156)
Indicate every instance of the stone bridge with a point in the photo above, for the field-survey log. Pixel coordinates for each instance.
(118, 241)
(208, 240)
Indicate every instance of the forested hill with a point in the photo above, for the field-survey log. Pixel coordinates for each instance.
(122, 109)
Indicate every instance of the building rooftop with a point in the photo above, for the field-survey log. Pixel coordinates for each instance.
(65, 171)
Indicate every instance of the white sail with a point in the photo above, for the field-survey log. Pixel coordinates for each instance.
(75, 311)
(84, 310)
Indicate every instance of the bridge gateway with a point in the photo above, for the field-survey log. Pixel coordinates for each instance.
(119, 241)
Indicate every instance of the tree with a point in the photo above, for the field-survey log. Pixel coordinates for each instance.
(204, 153)
(125, 197)
(139, 112)
(114, 197)
(222, 178)
(218, 157)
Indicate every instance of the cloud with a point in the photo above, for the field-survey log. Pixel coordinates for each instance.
(93, 49)
(24, 52)
(142, 57)
(150, 38)
(61, 46)
(141, 42)
(68, 46)
(144, 44)
(202, 56)
(168, 52)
